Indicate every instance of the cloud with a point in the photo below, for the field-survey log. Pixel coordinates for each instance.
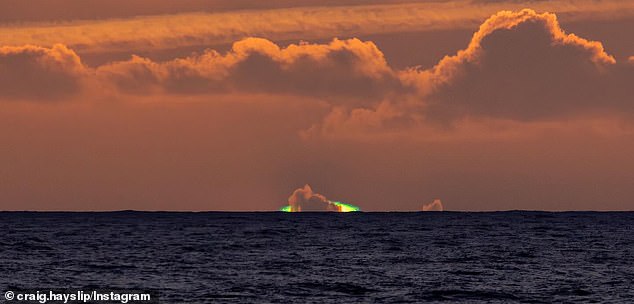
(520, 71)
(304, 199)
(207, 127)
(522, 65)
(351, 72)
(436, 205)
(385, 120)
(345, 69)
(39, 73)
(519, 66)
(164, 31)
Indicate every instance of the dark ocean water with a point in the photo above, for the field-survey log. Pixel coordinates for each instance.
(534, 257)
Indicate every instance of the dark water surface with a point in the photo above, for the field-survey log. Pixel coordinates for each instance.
(326, 257)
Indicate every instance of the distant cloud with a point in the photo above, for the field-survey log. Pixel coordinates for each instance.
(436, 205)
(304, 199)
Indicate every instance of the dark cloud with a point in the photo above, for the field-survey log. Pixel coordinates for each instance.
(523, 66)
(519, 67)
(38, 73)
(343, 69)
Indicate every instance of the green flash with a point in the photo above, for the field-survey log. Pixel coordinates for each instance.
(342, 207)
(286, 209)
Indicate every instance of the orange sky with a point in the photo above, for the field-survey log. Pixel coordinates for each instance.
(211, 105)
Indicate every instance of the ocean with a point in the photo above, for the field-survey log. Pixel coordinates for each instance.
(276, 257)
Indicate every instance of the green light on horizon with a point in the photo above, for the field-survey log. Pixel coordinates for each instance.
(343, 207)
(347, 207)
(286, 209)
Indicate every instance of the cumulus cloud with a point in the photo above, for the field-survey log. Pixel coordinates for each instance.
(519, 67)
(436, 205)
(304, 199)
(351, 68)
(349, 71)
(522, 65)
(39, 73)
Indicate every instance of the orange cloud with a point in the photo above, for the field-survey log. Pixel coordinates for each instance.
(304, 199)
(386, 120)
(436, 205)
(522, 65)
(342, 68)
(519, 66)
(164, 31)
(32, 72)
(510, 21)
(346, 71)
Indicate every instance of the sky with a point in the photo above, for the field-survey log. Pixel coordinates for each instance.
(387, 105)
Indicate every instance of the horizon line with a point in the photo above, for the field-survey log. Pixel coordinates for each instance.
(314, 212)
